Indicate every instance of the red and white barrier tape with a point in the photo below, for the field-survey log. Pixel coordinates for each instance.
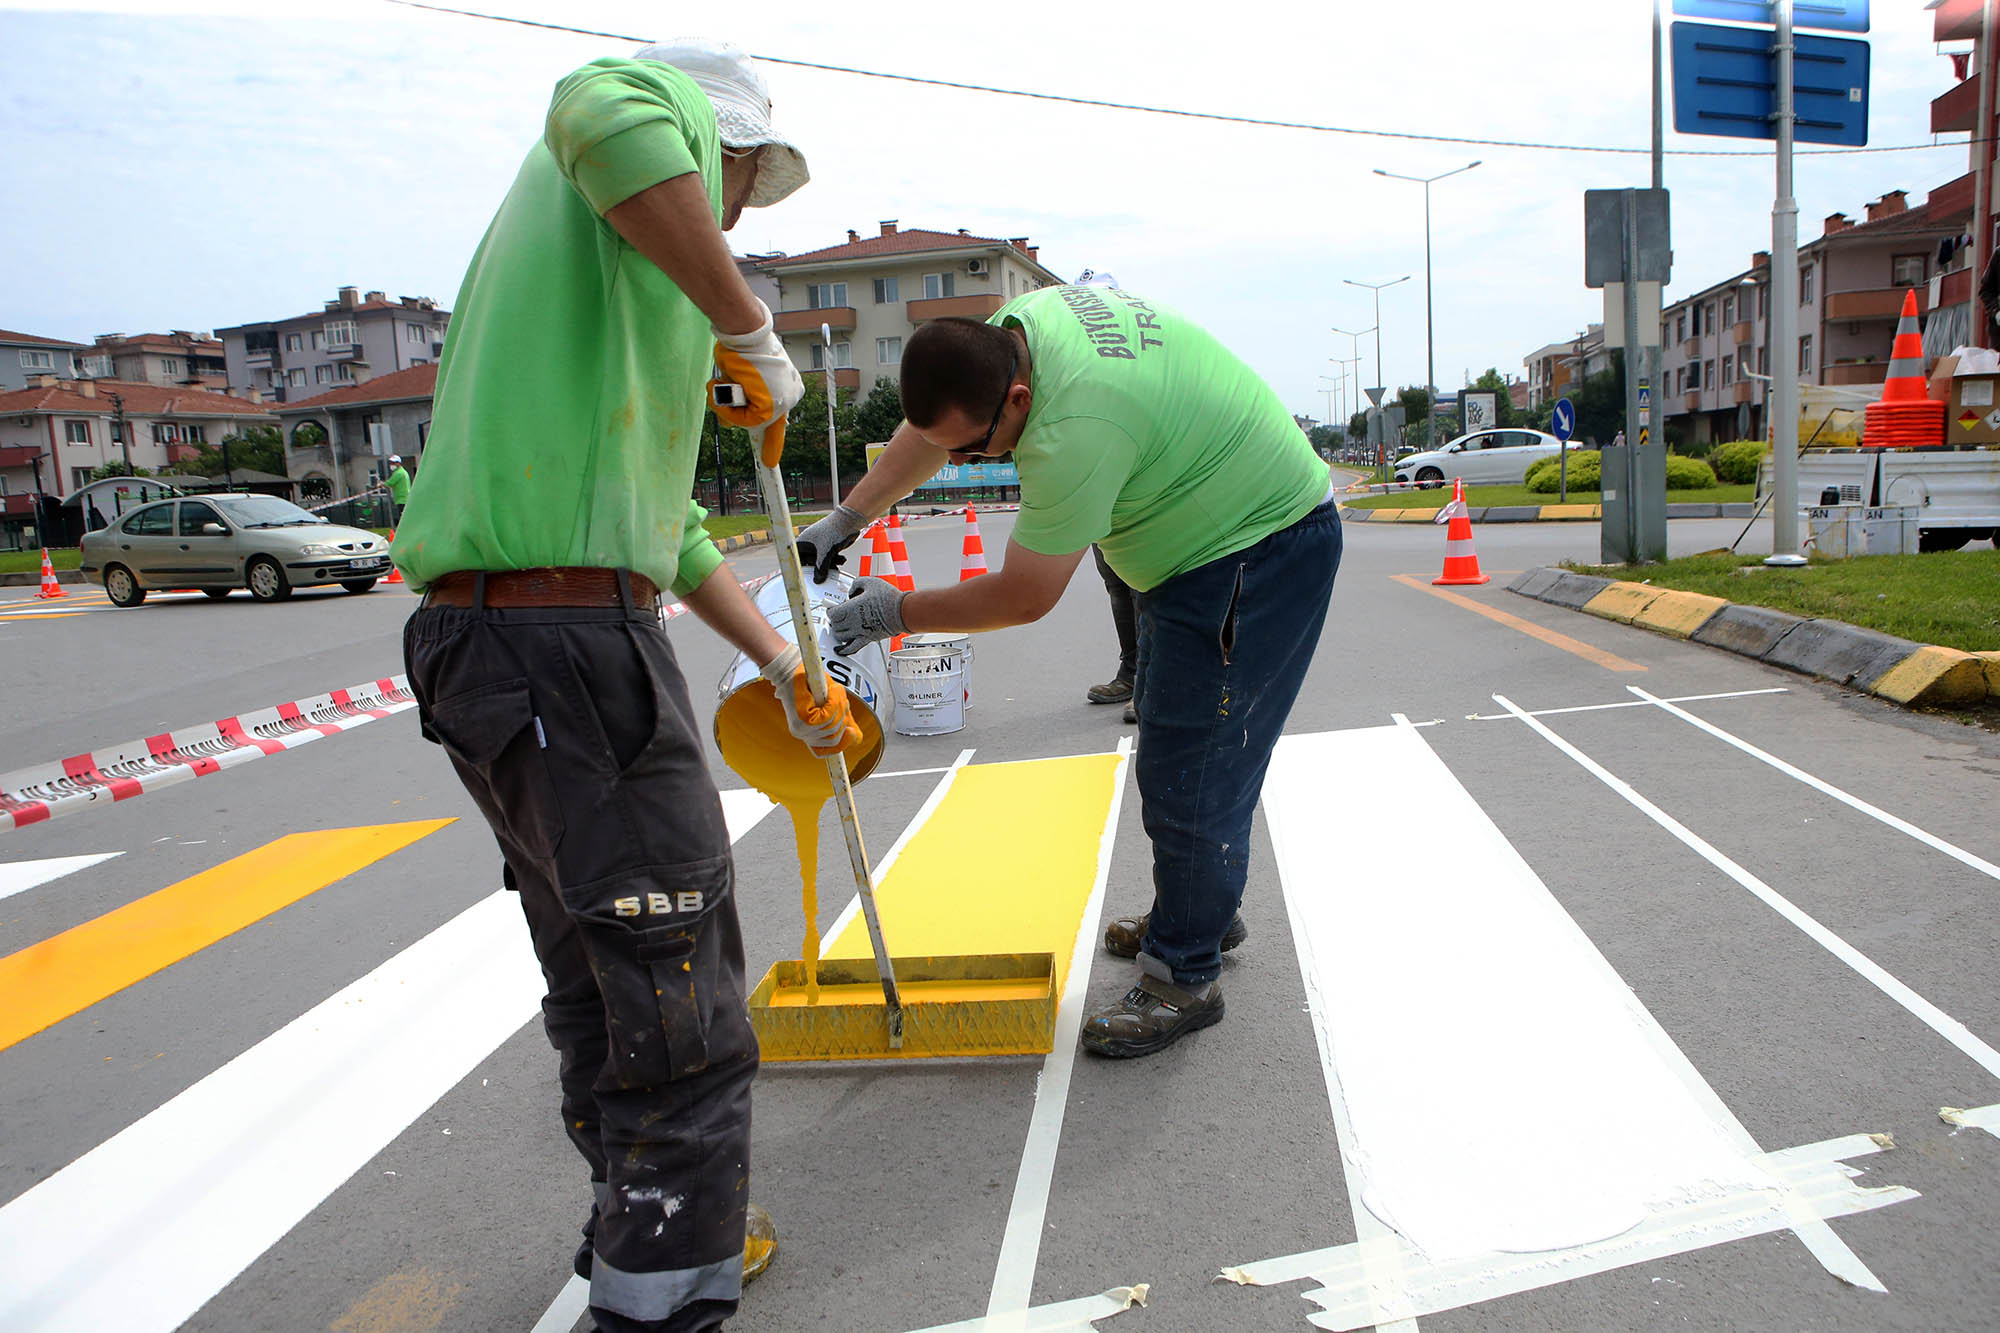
(101, 777)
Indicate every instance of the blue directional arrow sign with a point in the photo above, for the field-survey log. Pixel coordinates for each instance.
(1836, 15)
(1725, 82)
(1562, 419)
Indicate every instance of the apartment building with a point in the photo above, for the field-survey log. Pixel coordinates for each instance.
(356, 337)
(1556, 369)
(180, 358)
(871, 293)
(23, 356)
(1852, 278)
(360, 425)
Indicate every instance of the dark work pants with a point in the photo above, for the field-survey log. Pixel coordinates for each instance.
(1124, 618)
(572, 730)
(1223, 650)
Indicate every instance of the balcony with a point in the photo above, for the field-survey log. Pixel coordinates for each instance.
(352, 353)
(20, 502)
(1745, 392)
(808, 321)
(1744, 333)
(1691, 349)
(1957, 109)
(1956, 289)
(20, 455)
(1956, 20)
(1874, 303)
(1952, 199)
(261, 358)
(1691, 401)
(965, 307)
(1855, 372)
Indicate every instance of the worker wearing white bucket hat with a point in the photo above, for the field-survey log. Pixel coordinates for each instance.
(557, 504)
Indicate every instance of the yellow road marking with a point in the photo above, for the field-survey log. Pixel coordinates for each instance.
(45, 983)
(1609, 661)
(44, 615)
(966, 885)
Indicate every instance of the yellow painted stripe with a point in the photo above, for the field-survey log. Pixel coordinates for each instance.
(42, 615)
(1004, 865)
(1679, 613)
(1933, 677)
(45, 983)
(1571, 511)
(1622, 601)
(1609, 661)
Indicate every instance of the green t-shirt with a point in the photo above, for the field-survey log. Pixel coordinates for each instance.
(568, 411)
(398, 482)
(1150, 438)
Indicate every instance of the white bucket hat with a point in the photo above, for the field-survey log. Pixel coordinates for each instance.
(742, 110)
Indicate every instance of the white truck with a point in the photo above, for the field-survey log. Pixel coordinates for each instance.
(1955, 489)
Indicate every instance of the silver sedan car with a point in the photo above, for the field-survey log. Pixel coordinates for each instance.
(218, 543)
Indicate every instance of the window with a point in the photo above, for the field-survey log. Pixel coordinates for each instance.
(344, 373)
(319, 340)
(79, 477)
(885, 291)
(939, 285)
(1011, 275)
(1763, 360)
(194, 513)
(1711, 317)
(1681, 328)
(170, 365)
(322, 374)
(165, 432)
(1763, 302)
(1729, 370)
(1708, 373)
(37, 361)
(1805, 284)
(1694, 318)
(1694, 374)
(843, 356)
(826, 295)
(340, 333)
(152, 521)
(1907, 271)
(76, 432)
(1728, 310)
(1805, 355)
(97, 367)
(416, 333)
(296, 376)
(888, 351)
(194, 434)
(295, 342)
(117, 432)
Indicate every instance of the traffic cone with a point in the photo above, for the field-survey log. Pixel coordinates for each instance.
(872, 535)
(1461, 562)
(972, 555)
(50, 588)
(900, 554)
(395, 574)
(1904, 418)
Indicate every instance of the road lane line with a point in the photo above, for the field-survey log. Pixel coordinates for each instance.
(1624, 703)
(1546, 1167)
(142, 1231)
(20, 876)
(1936, 1019)
(1955, 852)
(1609, 661)
(47, 982)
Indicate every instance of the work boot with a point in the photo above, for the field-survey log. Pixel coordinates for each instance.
(1126, 933)
(1154, 1014)
(1115, 691)
(760, 1243)
(1131, 715)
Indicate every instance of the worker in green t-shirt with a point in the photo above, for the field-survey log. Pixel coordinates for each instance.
(398, 482)
(557, 504)
(1134, 429)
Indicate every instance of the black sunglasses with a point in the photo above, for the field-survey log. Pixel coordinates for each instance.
(979, 447)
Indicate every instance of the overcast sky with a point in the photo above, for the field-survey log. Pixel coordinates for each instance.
(197, 166)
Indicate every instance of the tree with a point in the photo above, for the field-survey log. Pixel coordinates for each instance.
(880, 412)
(1323, 438)
(118, 467)
(1357, 426)
(260, 448)
(1416, 404)
(1600, 403)
(1509, 415)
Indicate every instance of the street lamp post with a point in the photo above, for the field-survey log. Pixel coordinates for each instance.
(1376, 287)
(1377, 331)
(1430, 367)
(832, 443)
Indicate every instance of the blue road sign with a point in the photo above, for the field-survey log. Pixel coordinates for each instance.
(1836, 15)
(1725, 82)
(1562, 419)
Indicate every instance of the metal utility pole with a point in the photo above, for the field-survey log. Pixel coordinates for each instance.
(1659, 107)
(1430, 346)
(118, 419)
(1784, 316)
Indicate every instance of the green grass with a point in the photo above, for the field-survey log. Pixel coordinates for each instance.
(1947, 597)
(729, 525)
(1482, 497)
(30, 562)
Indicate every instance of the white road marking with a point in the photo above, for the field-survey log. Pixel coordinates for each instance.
(20, 876)
(1021, 1243)
(1936, 1019)
(143, 1230)
(1957, 853)
(1552, 1045)
(1623, 703)
(1077, 1316)
(569, 1306)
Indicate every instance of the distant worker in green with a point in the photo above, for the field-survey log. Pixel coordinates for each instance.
(398, 482)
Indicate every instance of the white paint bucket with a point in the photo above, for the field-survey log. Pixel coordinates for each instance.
(744, 698)
(927, 678)
(963, 642)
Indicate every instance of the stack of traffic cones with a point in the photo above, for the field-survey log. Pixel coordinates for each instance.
(1461, 562)
(1904, 418)
(50, 588)
(871, 541)
(395, 574)
(972, 555)
(900, 554)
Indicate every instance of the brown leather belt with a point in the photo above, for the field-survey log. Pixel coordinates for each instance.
(557, 586)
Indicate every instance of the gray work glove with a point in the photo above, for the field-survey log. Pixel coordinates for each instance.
(821, 542)
(873, 610)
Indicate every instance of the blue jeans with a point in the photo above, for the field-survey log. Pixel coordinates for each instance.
(1223, 649)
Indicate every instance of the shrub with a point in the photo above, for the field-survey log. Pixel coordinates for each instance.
(1737, 461)
(1688, 474)
(1585, 467)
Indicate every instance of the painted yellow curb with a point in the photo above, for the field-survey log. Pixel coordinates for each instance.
(1678, 613)
(1931, 676)
(1622, 602)
(1410, 515)
(1991, 660)
(1571, 511)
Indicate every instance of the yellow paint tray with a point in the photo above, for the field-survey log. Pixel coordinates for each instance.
(985, 1004)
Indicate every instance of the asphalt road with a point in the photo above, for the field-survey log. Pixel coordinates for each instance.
(227, 1140)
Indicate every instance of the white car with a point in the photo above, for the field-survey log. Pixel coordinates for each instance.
(1483, 457)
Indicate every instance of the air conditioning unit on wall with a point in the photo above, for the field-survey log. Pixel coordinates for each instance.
(976, 267)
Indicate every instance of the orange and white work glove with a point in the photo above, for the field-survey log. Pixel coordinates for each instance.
(756, 361)
(826, 728)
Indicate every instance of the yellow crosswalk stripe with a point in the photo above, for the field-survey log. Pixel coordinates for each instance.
(45, 983)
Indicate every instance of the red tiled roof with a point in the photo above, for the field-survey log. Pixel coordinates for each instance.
(903, 242)
(141, 400)
(9, 336)
(416, 382)
(160, 342)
